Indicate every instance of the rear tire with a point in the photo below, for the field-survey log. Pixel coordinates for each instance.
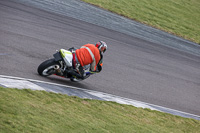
(47, 67)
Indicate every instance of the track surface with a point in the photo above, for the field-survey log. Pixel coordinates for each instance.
(133, 68)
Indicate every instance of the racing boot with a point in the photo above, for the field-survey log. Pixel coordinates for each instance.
(73, 73)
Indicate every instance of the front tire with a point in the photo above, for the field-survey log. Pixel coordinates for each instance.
(47, 67)
(77, 80)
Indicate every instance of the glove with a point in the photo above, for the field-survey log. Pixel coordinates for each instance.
(99, 67)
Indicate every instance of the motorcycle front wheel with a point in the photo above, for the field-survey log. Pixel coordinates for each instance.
(47, 67)
(74, 79)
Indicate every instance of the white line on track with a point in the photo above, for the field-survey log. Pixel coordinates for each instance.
(17, 82)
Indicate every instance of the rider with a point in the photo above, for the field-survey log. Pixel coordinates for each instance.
(89, 54)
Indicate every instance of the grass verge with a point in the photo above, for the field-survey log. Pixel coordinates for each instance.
(179, 17)
(40, 111)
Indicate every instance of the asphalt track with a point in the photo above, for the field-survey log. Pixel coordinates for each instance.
(134, 67)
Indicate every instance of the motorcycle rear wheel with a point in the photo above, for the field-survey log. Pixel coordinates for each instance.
(47, 68)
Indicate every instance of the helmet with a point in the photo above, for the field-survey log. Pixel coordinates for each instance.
(101, 44)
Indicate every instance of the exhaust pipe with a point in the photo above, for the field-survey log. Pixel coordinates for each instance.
(56, 67)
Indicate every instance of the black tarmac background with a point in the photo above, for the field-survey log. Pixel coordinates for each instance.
(134, 67)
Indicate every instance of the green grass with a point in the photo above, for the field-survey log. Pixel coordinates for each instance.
(40, 111)
(179, 17)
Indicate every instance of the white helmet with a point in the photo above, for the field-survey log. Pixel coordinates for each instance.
(101, 44)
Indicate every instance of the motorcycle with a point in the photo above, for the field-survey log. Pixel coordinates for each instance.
(61, 65)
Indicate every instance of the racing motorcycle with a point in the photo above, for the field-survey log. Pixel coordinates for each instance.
(61, 65)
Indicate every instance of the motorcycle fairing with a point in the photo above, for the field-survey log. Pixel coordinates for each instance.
(67, 56)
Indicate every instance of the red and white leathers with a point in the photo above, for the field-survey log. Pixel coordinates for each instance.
(88, 54)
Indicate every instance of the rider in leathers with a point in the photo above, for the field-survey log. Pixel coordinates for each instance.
(89, 54)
